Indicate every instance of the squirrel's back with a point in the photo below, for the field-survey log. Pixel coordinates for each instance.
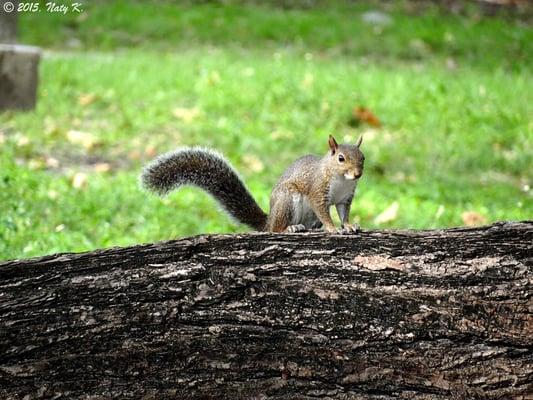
(209, 171)
(301, 172)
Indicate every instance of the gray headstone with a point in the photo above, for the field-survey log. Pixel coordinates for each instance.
(8, 21)
(18, 76)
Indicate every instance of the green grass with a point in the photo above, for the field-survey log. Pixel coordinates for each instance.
(265, 86)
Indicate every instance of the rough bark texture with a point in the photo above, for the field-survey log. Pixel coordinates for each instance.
(18, 76)
(379, 315)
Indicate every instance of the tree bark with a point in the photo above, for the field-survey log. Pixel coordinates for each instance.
(8, 21)
(19, 64)
(443, 314)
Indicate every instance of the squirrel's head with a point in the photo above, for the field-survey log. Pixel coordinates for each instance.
(346, 159)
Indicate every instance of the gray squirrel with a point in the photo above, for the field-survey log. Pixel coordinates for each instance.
(299, 201)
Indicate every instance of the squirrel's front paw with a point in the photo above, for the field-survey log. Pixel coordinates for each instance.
(350, 228)
(295, 228)
(331, 229)
(346, 229)
(334, 230)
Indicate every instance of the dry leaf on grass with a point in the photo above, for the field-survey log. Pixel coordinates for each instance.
(253, 163)
(79, 180)
(473, 218)
(102, 167)
(187, 115)
(23, 141)
(388, 215)
(134, 155)
(150, 151)
(281, 134)
(87, 140)
(52, 194)
(86, 98)
(362, 114)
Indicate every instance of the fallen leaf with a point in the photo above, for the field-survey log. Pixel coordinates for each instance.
(150, 151)
(102, 167)
(473, 218)
(86, 98)
(186, 114)
(87, 140)
(23, 141)
(79, 180)
(51, 162)
(281, 134)
(388, 215)
(52, 194)
(363, 114)
(253, 163)
(134, 155)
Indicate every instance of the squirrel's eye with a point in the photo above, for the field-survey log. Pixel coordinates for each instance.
(341, 158)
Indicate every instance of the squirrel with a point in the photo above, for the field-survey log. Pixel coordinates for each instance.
(299, 201)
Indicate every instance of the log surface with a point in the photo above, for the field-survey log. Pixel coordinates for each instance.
(444, 314)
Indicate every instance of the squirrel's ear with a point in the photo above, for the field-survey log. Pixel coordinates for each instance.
(359, 141)
(332, 144)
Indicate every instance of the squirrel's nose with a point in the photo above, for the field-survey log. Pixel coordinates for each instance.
(357, 174)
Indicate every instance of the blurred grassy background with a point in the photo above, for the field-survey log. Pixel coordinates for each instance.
(126, 80)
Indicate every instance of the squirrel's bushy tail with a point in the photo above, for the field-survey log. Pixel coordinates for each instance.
(209, 171)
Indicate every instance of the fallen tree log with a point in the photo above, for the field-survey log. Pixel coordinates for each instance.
(444, 314)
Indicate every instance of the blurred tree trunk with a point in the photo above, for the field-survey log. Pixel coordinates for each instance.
(18, 64)
(8, 22)
(444, 314)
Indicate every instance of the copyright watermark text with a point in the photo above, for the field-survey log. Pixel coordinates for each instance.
(50, 7)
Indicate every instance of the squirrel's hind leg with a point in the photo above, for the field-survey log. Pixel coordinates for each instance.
(281, 212)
